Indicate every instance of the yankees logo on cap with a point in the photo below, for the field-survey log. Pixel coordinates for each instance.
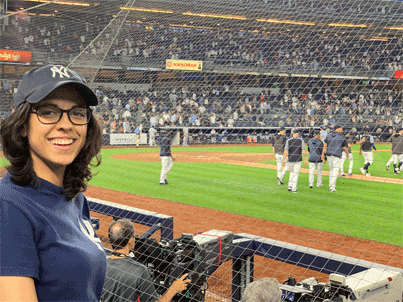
(37, 83)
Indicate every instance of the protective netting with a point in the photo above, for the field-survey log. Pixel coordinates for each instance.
(234, 73)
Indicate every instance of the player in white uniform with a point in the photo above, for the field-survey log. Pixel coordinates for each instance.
(367, 144)
(186, 136)
(152, 131)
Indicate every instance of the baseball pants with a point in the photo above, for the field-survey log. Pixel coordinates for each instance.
(350, 166)
(318, 167)
(395, 158)
(167, 164)
(334, 166)
(279, 161)
(185, 141)
(137, 140)
(294, 167)
(368, 157)
(152, 141)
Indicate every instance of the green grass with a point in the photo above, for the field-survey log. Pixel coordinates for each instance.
(364, 209)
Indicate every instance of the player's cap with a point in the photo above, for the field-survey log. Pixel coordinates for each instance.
(322, 127)
(152, 126)
(281, 129)
(39, 82)
(296, 130)
(316, 132)
(400, 129)
(337, 126)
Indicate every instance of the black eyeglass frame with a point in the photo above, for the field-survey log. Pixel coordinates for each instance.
(89, 114)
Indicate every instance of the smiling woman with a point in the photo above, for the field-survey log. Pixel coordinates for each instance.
(47, 236)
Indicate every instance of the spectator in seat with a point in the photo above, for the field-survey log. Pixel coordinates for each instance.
(127, 279)
(262, 290)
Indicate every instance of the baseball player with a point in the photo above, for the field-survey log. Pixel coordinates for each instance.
(315, 148)
(293, 151)
(152, 131)
(166, 157)
(278, 142)
(335, 143)
(186, 136)
(350, 157)
(397, 151)
(137, 131)
(367, 144)
(323, 133)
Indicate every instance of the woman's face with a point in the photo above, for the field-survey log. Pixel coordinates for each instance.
(56, 145)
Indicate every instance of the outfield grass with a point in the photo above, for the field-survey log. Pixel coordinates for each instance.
(364, 209)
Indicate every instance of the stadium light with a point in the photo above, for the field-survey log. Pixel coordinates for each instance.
(215, 16)
(61, 2)
(395, 27)
(150, 10)
(286, 22)
(347, 25)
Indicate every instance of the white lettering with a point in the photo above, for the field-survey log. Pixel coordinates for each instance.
(62, 72)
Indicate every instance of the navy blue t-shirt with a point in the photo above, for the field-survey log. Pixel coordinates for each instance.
(46, 237)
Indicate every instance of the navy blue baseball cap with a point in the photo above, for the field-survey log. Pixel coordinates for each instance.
(39, 82)
(282, 129)
(316, 132)
(322, 127)
(337, 126)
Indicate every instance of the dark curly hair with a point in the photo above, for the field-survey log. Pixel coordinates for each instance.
(17, 151)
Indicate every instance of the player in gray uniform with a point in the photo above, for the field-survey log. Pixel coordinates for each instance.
(397, 151)
(278, 141)
(293, 151)
(367, 144)
(350, 142)
(335, 143)
(315, 148)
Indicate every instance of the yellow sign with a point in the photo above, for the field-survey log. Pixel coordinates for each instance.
(184, 64)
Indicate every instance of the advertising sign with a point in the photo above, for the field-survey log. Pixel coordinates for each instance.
(399, 74)
(184, 65)
(15, 56)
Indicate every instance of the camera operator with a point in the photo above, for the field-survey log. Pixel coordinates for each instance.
(127, 279)
(262, 290)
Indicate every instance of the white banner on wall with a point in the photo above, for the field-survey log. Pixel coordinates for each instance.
(127, 139)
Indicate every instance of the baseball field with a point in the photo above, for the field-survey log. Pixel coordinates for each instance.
(241, 180)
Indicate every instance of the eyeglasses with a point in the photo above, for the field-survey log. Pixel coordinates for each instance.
(48, 114)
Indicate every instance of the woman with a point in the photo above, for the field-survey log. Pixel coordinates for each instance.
(49, 250)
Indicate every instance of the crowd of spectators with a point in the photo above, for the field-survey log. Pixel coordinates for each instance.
(152, 41)
(227, 107)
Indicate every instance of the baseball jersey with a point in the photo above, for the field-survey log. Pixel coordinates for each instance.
(335, 143)
(128, 280)
(152, 132)
(51, 239)
(368, 143)
(315, 148)
(397, 144)
(278, 142)
(165, 146)
(294, 146)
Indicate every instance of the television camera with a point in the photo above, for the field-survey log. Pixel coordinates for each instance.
(372, 285)
(198, 255)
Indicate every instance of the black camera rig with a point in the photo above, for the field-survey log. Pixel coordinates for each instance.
(198, 255)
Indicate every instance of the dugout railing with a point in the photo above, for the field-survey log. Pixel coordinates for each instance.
(245, 247)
